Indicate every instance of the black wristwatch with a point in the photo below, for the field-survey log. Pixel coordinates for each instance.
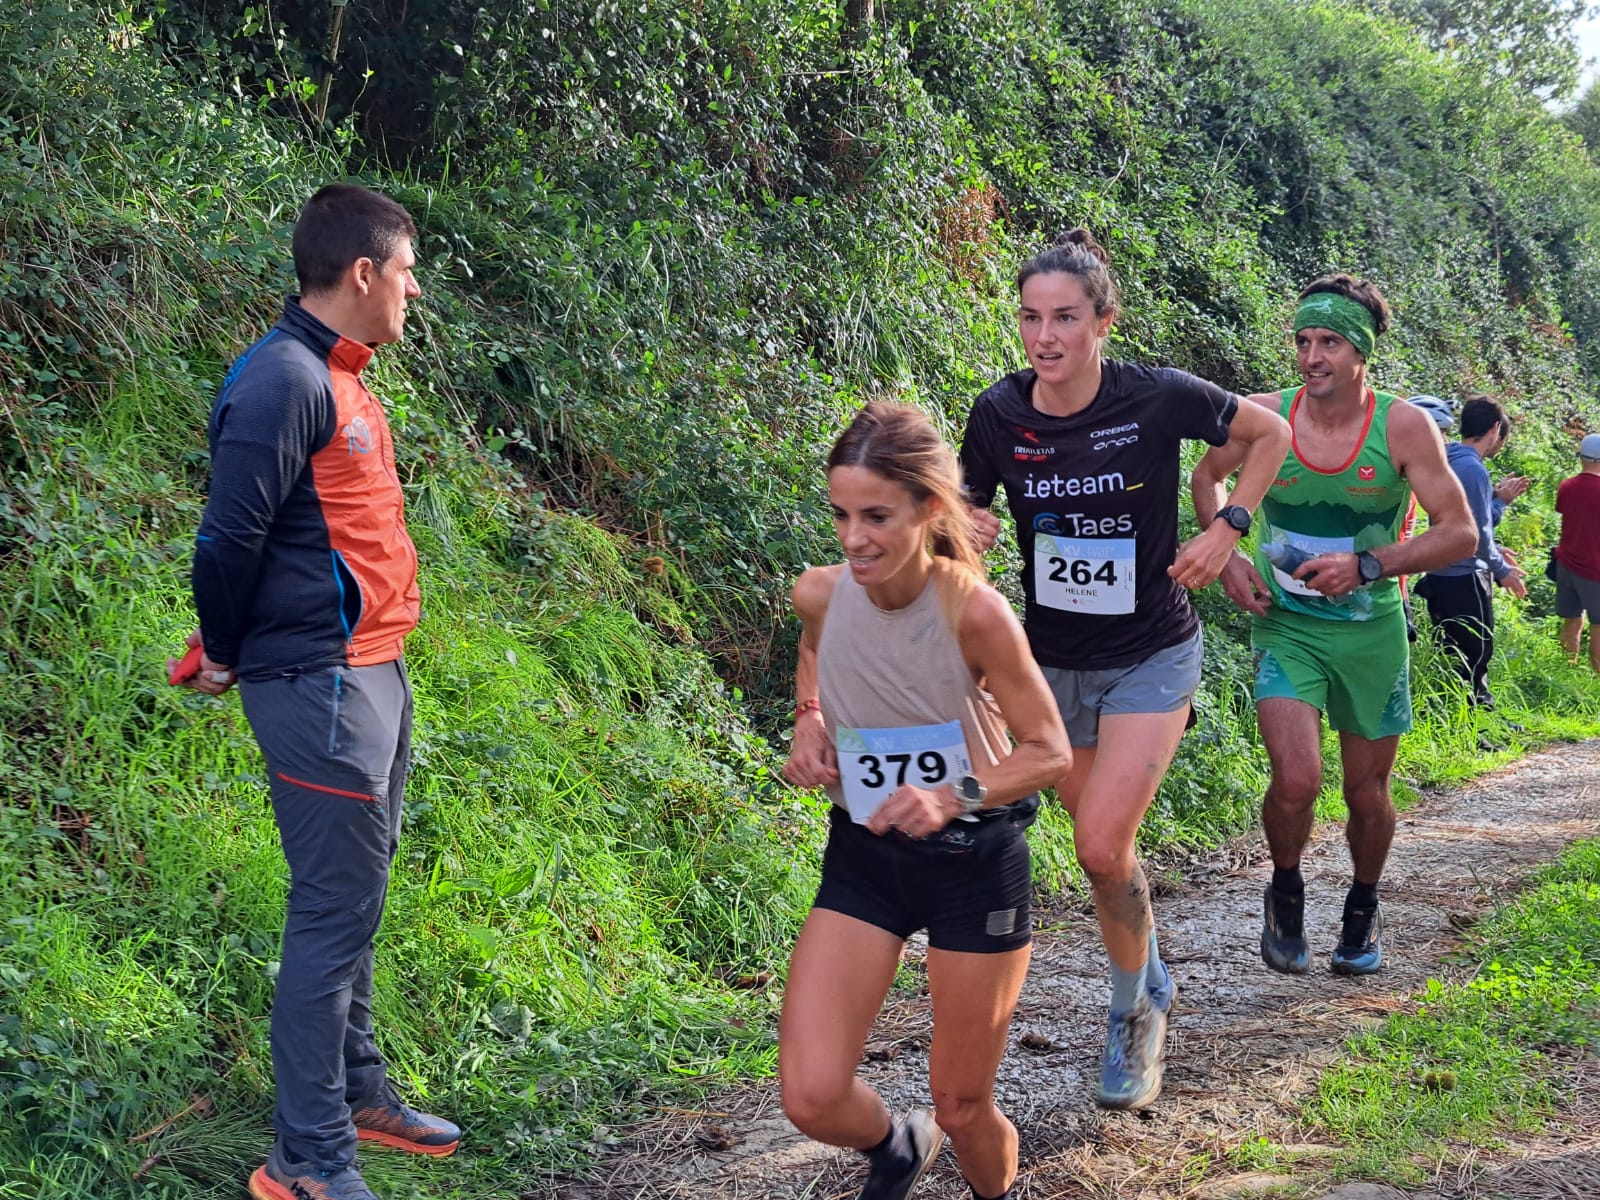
(970, 793)
(1235, 517)
(1369, 566)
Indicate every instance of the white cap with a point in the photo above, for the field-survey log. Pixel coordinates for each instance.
(1589, 448)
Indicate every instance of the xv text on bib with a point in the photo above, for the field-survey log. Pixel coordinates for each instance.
(873, 763)
(1086, 575)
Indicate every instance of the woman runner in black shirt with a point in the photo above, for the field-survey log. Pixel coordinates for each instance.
(1086, 449)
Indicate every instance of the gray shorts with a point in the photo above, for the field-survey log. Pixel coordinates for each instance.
(1162, 683)
(1576, 595)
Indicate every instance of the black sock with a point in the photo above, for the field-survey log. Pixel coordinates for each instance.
(1008, 1194)
(893, 1152)
(1361, 895)
(1287, 881)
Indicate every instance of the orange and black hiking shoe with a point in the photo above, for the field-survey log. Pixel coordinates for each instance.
(279, 1179)
(389, 1121)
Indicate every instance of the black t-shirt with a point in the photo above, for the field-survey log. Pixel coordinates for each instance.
(1095, 497)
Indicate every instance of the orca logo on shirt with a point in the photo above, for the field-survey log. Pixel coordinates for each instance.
(1116, 435)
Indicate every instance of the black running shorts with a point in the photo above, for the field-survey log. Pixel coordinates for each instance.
(975, 901)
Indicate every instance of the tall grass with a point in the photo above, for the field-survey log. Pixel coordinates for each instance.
(592, 850)
(1474, 1061)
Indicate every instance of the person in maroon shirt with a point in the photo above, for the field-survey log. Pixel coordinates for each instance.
(1578, 552)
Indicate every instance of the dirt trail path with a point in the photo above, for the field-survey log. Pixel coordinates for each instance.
(1246, 1044)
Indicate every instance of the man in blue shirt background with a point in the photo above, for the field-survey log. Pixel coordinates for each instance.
(1461, 596)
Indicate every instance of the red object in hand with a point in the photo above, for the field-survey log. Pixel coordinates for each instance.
(186, 667)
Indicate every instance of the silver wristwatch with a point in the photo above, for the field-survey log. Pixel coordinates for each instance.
(970, 793)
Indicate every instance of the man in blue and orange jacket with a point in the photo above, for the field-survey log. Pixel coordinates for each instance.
(305, 582)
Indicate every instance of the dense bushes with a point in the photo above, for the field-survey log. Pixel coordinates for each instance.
(665, 250)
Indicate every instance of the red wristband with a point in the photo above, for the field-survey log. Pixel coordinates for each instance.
(809, 705)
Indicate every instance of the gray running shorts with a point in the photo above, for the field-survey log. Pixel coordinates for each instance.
(1576, 595)
(1161, 683)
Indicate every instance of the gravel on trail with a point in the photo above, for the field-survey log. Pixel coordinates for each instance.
(1245, 1048)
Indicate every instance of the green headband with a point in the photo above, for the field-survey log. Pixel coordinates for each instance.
(1351, 321)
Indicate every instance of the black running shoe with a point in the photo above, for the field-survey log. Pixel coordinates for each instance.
(1283, 940)
(1360, 948)
(924, 1137)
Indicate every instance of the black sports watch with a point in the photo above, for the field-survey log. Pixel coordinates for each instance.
(1369, 566)
(1235, 517)
(970, 793)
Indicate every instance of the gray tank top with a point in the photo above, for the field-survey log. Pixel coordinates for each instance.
(878, 669)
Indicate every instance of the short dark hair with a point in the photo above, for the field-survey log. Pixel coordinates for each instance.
(341, 223)
(1076, 253)
(1479, 415)
(1363, 293)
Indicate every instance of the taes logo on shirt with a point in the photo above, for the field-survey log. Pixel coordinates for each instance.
(1367, 473)
(1081, 525)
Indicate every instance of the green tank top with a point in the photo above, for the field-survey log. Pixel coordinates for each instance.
(1308, 511)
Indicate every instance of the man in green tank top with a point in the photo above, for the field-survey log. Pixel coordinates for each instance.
(1329, 632)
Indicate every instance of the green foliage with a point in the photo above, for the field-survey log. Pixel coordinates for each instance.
(1461, 197)
(1583, 118)
(1470, 1064)
(1529, 43)
(593, 841)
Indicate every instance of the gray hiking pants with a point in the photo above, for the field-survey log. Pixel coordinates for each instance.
(337, 742)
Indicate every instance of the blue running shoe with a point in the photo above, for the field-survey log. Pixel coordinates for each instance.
(1130, 1068)
(1163, 994)
(1283, 938)
(1360, 948)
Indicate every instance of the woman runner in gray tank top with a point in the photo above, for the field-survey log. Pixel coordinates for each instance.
(911, 669)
